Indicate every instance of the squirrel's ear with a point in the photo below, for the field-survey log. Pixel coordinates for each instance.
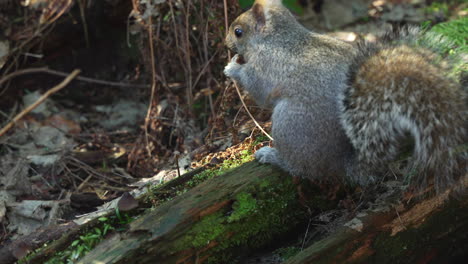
(259, 15)
(259, 8)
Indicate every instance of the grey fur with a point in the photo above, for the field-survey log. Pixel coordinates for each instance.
(306, 78)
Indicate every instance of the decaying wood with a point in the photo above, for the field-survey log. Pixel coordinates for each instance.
(9, 254)
(196, 226)
(434, 230)
(221, 219)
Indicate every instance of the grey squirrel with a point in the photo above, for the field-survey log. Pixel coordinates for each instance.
(344, 110)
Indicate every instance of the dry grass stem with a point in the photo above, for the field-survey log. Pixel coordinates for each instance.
(250, 114)
(153, 84)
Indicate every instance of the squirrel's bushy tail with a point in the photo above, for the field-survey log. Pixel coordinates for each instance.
(398, 92)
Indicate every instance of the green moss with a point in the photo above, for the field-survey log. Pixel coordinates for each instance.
(202, 233)
(244, 206)
(266, 209)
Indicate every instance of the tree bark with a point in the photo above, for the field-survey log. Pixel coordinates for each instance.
(433, 230)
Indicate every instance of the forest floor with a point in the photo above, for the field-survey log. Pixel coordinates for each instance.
(149, 104)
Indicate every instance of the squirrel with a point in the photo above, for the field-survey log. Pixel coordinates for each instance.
(345, 110)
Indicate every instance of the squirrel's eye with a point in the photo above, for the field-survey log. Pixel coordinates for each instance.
(238, 32)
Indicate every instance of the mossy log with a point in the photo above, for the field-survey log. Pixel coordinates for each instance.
(232, 215)
(215, 222)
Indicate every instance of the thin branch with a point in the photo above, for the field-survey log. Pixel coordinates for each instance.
(187, 57)
(153, 83)
(39, 101)
(251, 116)
(21, 72)
(205, 67)
(226, 25)
(64, 74)
(83, 19)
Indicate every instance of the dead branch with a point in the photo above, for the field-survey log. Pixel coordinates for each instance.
(39, 101)
(64, 74)
(153, 83)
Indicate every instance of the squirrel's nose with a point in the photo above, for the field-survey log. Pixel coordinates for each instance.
(230, 45)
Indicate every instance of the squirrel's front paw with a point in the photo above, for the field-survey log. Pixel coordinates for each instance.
(267, 155)
(232, 69)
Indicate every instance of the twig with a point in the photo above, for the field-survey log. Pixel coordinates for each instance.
(112, 188)
(64, 8)
(226, 24)
(82, 165)
(82, 184)
(174, 24)
(203, 70)
(153, 83)
(187, 57)
(21, 72)
(39, 101)
(251, 116)
(177, 164)
(399, 218)
(64, 74)
(305, 235)
(85, 25)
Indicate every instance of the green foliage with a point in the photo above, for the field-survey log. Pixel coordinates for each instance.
(86, 242)
(291, 4)
(437, 7)
(456, 31)
(260, 139)
(245, 3)
(447, 7)
(267, 208)
(456, 46)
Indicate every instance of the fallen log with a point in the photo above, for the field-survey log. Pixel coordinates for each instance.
(434, 230)
(232, 215)
(216, 222)
(10, 253)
